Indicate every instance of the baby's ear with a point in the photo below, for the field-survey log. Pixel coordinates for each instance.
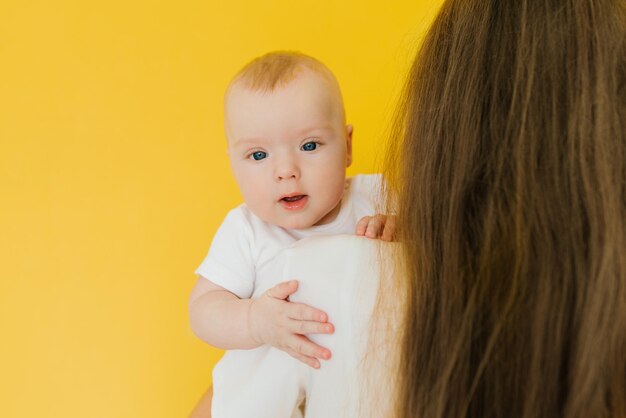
(349, 130)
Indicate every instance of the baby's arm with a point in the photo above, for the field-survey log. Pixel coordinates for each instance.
(225, 321)
(377, 226)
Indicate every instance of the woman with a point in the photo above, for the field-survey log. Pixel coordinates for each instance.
(511, 186)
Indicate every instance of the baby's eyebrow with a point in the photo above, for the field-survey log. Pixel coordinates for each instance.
(247, 142)
(315, 129)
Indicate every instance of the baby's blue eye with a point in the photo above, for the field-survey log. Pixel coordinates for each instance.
(258, 155)
(309, 146)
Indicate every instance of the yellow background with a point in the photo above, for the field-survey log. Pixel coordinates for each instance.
(113, 178)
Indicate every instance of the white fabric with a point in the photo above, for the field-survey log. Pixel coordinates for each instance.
(340, 275)
(247, 257)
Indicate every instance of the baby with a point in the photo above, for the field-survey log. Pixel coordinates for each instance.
(289, 147)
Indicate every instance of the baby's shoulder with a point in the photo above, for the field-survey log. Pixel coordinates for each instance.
(239, 216)
(367, 181)
(367, 187)
(243, 218)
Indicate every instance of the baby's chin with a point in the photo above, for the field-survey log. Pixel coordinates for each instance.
(295, 224)
(304, 221)
(287, 222)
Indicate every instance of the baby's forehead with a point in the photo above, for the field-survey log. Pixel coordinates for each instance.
(311, 92)
(323, 83)
(307, 103)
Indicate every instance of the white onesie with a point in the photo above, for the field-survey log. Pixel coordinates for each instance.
(245, 258)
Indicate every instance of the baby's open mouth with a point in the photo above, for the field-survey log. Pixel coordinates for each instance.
(294, 202)
(293, 198)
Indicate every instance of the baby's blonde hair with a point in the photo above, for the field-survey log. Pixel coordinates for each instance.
(276, 69)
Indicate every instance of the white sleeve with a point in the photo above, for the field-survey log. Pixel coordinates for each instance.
(367, 195)
(229, 263)
(372, 187)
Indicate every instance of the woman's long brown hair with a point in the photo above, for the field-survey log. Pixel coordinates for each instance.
(509, 167)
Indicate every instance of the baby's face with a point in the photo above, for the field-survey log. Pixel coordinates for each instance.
(289, 150)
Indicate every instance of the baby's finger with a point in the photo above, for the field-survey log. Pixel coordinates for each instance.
(283, 290)
(310, 327)
(374, 227)
(309, 361)
(390, 229)
(361, 226)
(306, 347)
(304, 312)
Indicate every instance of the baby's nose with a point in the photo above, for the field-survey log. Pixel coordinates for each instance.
(287, 171)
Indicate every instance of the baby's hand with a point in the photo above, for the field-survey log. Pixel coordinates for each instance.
(377, 226)
(276, 321)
